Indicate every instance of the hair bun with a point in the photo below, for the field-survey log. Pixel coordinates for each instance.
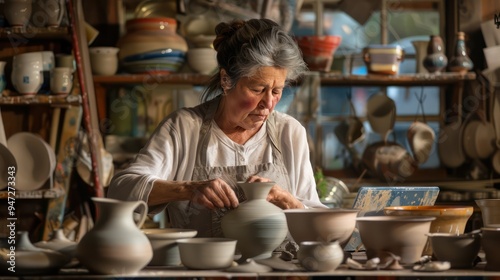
(224, 31)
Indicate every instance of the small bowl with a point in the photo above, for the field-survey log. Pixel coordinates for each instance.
(404, 236)
(326, 225)
(207, 252)
(164, 243)
(459, 250)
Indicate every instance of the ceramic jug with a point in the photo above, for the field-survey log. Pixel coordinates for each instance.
(258, 225)
(460, 61)
(115, 245)
(436, 60)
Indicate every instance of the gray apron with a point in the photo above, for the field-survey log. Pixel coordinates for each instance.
(207, 222)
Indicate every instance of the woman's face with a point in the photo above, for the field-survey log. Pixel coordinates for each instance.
(252, 99)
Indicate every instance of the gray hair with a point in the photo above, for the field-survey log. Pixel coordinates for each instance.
(245, 46)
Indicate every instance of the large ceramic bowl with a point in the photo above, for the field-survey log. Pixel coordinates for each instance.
(404, 236)
(164, 243)
(35, 158)
(449, 218)
(207, 252)
(459, 250)
(7, 163)
(315, 224)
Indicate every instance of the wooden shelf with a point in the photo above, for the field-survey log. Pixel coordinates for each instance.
(148, 79)
(41, 99)
(447, 78)
(30, 32)
(36, 194)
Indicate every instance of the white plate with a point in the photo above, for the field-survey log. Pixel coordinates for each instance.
(35, 160)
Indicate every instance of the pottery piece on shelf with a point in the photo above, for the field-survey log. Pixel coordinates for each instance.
(403, 236)
(435, 61)
(104, 60)
(31, 260)
(60, 243)
(383, 59)
(320, 256)
(459, 250)
(17, 12)
(420, 53)
(460, 61)
(164, 243)
(115, 245)
(490, 210)
(207, 252)
(490, 242)
(258, 225)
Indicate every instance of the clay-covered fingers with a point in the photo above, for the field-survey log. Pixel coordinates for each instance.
(215, 194)
(255, 178)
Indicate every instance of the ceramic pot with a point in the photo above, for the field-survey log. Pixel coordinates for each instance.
(420, 53)
(104, 60)
(164, 243)
(490, 210)
(17, 12)
(28, 259)
(47, 13)
(147, 35)
(491, 242)
(258, 225)
(27, 69)
(460, 61)
(383, 59)
(115, 245)
(435, 60)
(459, 250)
(320, 256)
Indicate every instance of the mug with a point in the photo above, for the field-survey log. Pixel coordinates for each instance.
(104, 60)
(61, 80)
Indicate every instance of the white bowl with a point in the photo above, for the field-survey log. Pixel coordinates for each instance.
(7, 163)
(207, 253)
(36, 158)
(202, 60)
(164, 243)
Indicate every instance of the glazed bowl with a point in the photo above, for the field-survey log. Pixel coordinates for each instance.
(164, 243)
(459, 250)
(404, 236)
(490, 243)
(321, 224)
(207, 252)
(490, 210)
(449, 218)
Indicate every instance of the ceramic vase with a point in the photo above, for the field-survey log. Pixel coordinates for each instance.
(420, 53)
(435, 60)
(320, 256)
(460, 61)
(115, 245)
(258, 225)
(27, 259)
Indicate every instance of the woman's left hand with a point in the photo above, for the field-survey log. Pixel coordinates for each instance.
(278, 196)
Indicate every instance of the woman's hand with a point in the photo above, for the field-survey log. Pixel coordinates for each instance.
(213, 194)
(278, 196)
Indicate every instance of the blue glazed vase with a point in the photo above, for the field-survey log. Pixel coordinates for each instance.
(460, 62)
(436, 60)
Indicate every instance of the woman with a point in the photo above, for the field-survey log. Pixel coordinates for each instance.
(196, 156)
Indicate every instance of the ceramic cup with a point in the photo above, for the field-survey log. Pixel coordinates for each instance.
(17, 12)
(104, 60)
(61, 80)
(47, 13)
(26, 74)
(65, 60)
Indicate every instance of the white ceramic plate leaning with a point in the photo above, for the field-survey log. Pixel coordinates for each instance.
(35, 158)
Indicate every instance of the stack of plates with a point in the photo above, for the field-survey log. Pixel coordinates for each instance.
(157, 61)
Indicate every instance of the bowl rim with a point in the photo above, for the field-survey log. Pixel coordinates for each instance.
(378, 219)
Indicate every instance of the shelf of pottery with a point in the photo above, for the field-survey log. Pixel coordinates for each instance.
(43, 100)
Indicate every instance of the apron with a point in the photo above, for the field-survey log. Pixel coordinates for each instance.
(207, 222)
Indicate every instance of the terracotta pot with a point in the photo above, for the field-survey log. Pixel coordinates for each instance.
(258, 225)
(115, 245)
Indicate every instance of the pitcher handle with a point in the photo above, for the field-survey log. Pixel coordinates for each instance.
(143, 214)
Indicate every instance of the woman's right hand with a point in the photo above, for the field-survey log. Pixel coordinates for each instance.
(215, 193)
